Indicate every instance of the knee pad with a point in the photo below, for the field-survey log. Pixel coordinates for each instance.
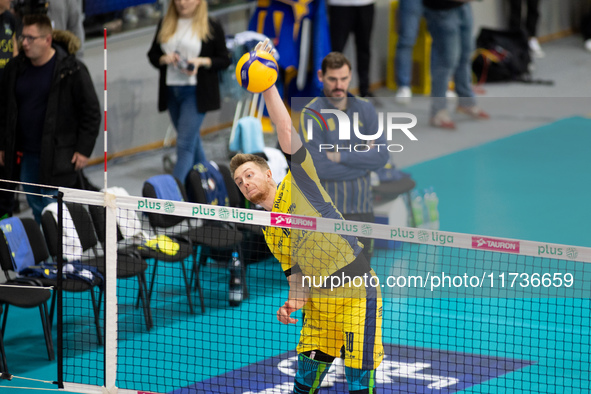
(361, 381)
(310, 373)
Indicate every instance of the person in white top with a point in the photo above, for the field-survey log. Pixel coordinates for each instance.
(189, 49)
(356, 16)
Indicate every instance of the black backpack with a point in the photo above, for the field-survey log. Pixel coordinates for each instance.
(501, 55)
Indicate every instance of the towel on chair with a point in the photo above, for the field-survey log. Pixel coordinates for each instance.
(248, 137)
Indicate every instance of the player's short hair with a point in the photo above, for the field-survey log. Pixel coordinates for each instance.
(42, 22)
(334, 60)
(242, 158)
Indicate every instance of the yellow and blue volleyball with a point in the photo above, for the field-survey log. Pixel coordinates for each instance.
(256, 71)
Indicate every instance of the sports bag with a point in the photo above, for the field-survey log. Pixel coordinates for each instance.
(501, 55)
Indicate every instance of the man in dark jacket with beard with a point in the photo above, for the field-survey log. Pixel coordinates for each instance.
(49, 112)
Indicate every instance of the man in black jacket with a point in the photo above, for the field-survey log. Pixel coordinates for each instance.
(49, 112)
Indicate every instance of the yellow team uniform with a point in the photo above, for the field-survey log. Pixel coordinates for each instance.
(349, 315)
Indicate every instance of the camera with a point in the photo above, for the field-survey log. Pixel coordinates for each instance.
(28, 7)
(184, 64)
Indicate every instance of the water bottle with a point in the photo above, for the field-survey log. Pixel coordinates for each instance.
(426, 216)
(374, 179)
(235, 293)
(431, 202)
(417, 208)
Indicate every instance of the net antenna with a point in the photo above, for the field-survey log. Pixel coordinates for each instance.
(105, 108)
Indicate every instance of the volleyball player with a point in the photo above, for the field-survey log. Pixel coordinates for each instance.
(349, 314)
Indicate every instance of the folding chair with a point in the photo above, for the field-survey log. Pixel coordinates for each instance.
(3, 363)
(24, 295)
(206, 238)
(87, 240)
(23, 292)
(219, 240)
(161, 224)
(130, 264)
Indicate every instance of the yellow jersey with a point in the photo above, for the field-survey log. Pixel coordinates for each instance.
(298, 249)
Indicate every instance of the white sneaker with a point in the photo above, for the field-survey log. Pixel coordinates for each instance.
(535, 48)
(451, 94)
(588, 45)
(403, 95)
(148, 11)
(130, 16)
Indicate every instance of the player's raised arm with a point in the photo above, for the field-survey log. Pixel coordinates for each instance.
(288, 138)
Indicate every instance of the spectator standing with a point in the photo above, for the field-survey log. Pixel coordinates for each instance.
(530, 23)
(450, 24)
(67, 15)
(189, 49)
(8, 45)
(8, 49)
(344, 172)
(409, 17)
(49, 112)
(353, 16)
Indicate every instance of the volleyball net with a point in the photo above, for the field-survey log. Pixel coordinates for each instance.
(188, 297)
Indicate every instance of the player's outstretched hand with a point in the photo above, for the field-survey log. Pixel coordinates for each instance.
(290, 306)
(265, 46)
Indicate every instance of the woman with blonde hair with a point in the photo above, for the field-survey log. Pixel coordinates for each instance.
(189, 49)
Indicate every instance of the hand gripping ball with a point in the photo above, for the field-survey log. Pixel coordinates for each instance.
(256, 71)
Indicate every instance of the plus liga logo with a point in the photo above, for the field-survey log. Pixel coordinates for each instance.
(572, 253)
(366, 229)
(169, 207)
(224, 213)
(423, 235)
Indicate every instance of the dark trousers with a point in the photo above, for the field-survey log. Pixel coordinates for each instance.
(7, 199)
(531, 19)
(359, 21)
(586, 26)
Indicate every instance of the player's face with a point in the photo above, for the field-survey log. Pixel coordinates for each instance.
(186, 8)
(335, 82)
(254, 182)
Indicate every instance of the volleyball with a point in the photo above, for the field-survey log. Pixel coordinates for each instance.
(256, 71)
